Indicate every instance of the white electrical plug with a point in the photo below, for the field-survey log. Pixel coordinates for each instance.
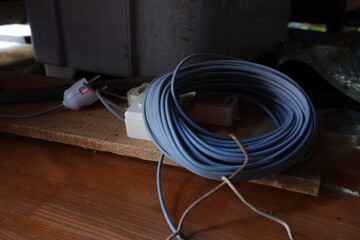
(221, 111)
(134, 121)
(134, 93)
(80, 94)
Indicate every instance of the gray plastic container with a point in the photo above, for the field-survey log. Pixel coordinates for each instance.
(148, 37)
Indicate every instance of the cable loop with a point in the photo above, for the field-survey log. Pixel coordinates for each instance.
(212, 156)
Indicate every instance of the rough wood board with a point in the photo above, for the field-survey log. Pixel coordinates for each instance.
(96, 128)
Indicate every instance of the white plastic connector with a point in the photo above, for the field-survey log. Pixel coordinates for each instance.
(135, 92)
(134, 122)
(221, 111)
(79, 95)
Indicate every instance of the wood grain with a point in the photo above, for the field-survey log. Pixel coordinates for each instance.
(56, 191)
(96, 128)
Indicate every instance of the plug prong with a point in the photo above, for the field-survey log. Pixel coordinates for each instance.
(94, 78)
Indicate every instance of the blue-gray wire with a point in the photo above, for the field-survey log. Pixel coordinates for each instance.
(213, 156)
(32, 114)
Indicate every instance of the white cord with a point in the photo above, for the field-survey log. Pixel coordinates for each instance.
(218, 187)
(252, 207)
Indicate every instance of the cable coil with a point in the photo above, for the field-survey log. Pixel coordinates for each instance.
(212, 156)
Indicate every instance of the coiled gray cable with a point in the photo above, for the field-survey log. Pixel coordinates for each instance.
(216, 157)
(213, 156)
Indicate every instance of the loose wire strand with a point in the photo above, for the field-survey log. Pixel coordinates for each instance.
(218, 187)
(109, 104)
(22, 116)
(113, 94)
(214, 190)
(252, 207)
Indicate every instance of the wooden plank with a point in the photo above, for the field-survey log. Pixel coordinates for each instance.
(96, 128)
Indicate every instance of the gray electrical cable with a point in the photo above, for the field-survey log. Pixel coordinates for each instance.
(269, 216)
(216, 157)
(213, 156)
(112, 94)
(202, 198)
(32, 114)
(109, 104)
(218, 187)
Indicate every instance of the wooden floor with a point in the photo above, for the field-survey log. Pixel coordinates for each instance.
(56, 191)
